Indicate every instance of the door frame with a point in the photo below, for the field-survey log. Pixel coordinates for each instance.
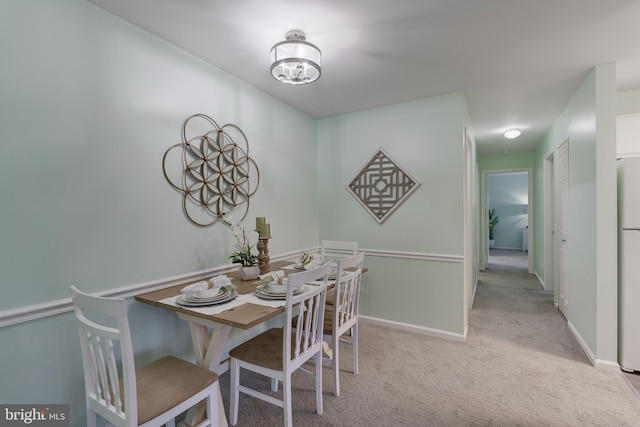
(484, 232)
(550, 244)
(561, 220)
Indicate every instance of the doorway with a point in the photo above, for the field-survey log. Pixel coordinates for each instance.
(507, 201)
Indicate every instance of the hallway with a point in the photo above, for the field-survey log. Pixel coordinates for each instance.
(508, 258)
(508, 284)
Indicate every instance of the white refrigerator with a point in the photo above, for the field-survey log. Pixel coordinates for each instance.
(629, 260)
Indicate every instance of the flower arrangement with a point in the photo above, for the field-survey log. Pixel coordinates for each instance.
(242, 254)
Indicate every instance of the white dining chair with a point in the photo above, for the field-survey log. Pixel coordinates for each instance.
(337, 247)
(341, 315)
(151, 396)
(279, 352)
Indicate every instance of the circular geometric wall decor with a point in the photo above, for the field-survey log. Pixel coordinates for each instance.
(217, 174)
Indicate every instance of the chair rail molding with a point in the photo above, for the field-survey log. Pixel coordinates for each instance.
(64, 305)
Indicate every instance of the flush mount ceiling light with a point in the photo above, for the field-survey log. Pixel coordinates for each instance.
(512, 133)
(295, 61)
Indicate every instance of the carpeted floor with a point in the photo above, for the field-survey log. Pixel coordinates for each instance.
(520, 366)
(508, 259)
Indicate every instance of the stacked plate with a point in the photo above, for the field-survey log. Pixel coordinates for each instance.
(224, 295)
(276, 292)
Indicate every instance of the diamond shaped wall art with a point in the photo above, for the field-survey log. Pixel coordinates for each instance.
(382, 185)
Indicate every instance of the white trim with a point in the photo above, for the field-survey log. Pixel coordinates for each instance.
(627, 155)
(414, 255)
(633, 389)
(52, 308)
(583, 344)
(539, 279)
(473, 297)
(607, 365)
(598, 363)
(437, 333)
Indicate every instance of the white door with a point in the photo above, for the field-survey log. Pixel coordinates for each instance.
(563, 232)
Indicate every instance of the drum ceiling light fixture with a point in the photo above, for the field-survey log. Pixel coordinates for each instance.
(295, 61)
(512, 133)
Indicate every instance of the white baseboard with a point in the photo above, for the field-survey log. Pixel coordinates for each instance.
(598, 363)
(509, 248)
(437, 333)
(540, 280)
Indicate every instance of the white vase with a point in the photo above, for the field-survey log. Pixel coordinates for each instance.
(249, 273)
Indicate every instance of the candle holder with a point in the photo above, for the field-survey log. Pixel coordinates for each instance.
(263, 255)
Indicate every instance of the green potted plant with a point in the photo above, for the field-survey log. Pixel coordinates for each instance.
(493, 221)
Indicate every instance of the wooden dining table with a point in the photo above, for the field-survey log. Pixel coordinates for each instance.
(210, 332)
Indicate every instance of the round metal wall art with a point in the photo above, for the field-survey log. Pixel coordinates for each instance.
(218, 176)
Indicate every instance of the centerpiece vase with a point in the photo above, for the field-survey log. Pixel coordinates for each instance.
(249, 273)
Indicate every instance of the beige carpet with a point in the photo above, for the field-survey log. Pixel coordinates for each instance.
(508, 259)
(519, 367)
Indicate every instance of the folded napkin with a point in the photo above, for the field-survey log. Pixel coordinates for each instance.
(219, 281)
(190, 290)
(308, 262)
(313, 264)
(269, 277)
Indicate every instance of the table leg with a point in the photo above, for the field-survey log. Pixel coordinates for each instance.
(208, 349)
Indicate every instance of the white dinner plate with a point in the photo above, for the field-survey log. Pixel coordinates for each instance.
(265, 295)
(277, 289)
(266, 289)
(182, 301)
(222, 295)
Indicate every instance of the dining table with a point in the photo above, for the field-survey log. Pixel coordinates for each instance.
(210, 326)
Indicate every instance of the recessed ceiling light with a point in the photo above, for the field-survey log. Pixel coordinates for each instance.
(512, 133)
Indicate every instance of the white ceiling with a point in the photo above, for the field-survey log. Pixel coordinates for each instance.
(518, 62)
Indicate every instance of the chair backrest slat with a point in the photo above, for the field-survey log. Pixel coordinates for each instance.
(304, 341)
(339, 247)
(107, 354)
(347, 291)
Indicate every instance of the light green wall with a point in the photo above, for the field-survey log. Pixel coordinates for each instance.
(588, 122)
(507, 161)
(425, 138)
(89, 105)
(628, 102)
(83, 135)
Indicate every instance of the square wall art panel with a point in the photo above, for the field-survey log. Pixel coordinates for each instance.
(382, 185)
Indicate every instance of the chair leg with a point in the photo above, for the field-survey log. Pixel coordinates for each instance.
(213, 407)
(335, 363)
(234, 391)
(318, 358)
(91, 417)
(354, 343)
(274, 384)
(286, 399)
(171, 423)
